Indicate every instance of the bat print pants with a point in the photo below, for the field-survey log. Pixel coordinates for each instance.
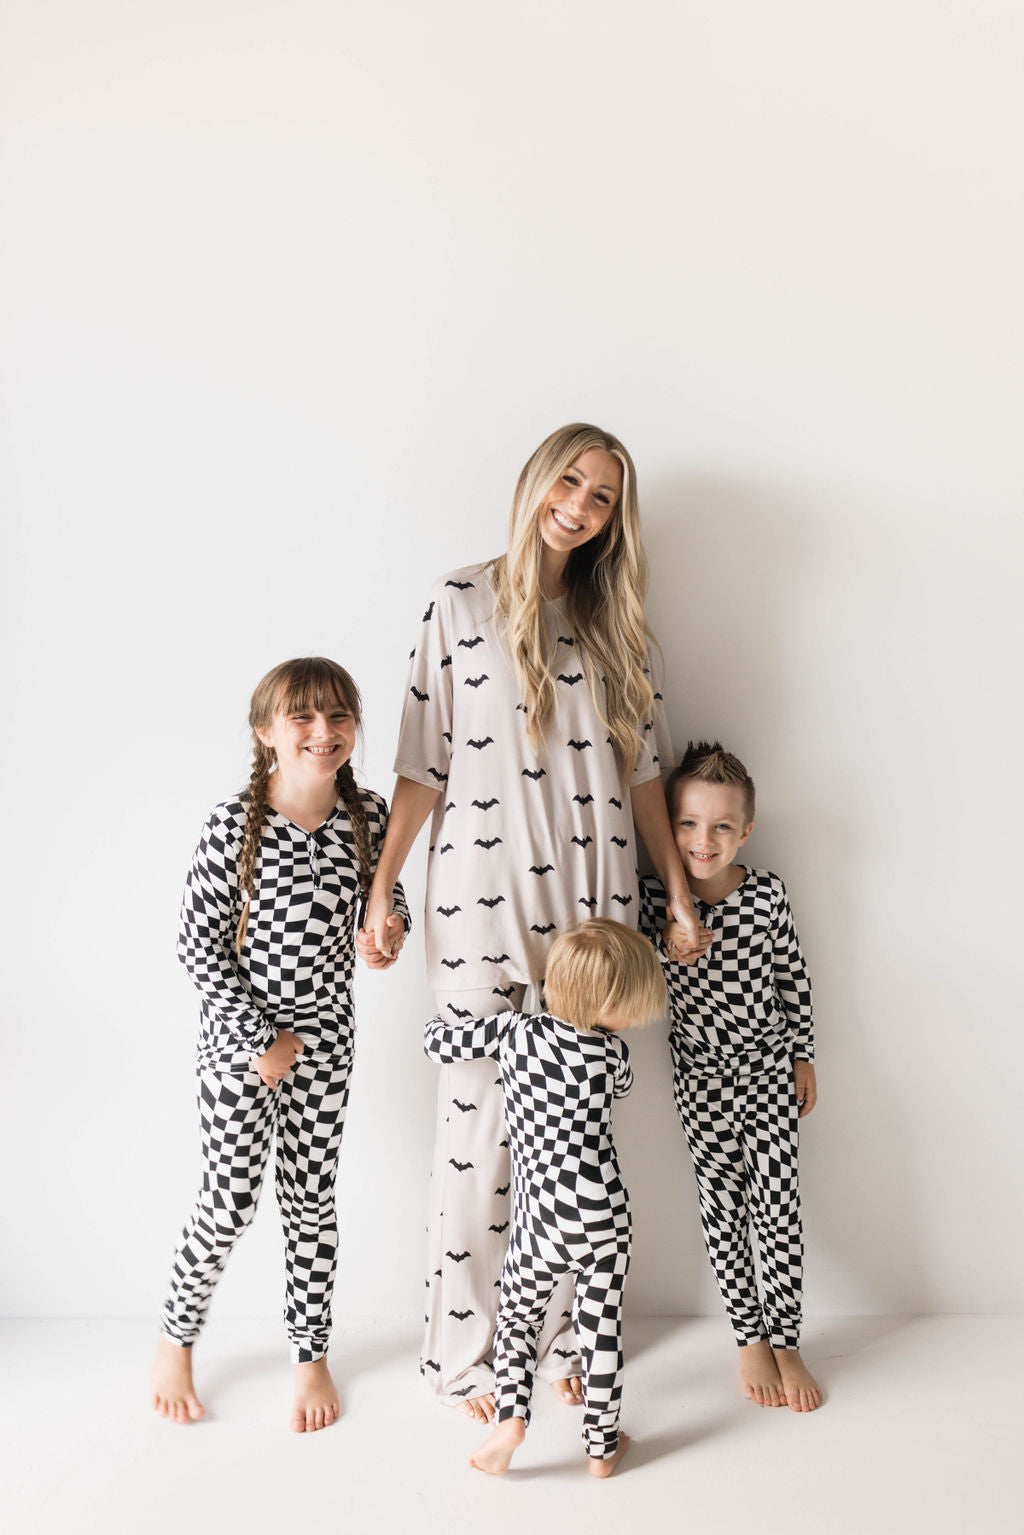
(468, 1223)
(743, 1134)
(238, 1116)
(527, 1283)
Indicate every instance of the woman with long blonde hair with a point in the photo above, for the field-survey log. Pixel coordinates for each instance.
(533, 733)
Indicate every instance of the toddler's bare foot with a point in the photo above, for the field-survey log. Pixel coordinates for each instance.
(606, 1467)
(174, 1395)
(316, 1402)
(480, 1408)
(759, 1375)
(495, 1453)
(570, 1390)
(802, 1390)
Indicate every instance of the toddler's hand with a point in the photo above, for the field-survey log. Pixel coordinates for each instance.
(278, 1061)
(806, 1086)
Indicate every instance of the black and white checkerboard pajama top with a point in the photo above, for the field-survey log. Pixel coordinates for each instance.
(523, 845)
(570, 1210)
(294, 972)
(740, 1017)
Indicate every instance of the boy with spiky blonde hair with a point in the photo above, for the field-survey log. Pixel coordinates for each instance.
(742, 1052)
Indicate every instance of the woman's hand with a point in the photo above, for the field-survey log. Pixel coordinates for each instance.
(278, 1061)
(678, 946)
(382, 925)
(366, 946)
(693, 939)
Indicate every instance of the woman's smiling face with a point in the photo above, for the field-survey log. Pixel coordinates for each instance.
(580, 503)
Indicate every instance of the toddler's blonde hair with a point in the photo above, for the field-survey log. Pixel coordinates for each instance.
(602, 968)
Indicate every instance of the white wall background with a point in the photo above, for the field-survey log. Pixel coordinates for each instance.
(288, 295)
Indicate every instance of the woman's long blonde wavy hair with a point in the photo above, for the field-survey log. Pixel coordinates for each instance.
(606, 582)
(309, 682)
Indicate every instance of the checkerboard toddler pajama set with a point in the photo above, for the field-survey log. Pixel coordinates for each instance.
(740, 1017)
(294, 972)
(570, 1210)
(523, 845)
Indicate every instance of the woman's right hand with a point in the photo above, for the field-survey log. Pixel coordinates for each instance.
(278, 1061)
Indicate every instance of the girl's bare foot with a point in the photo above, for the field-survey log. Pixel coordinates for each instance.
(480, 1408)
(759, 1375)
(316, 1402)
(802, 1390)
(174, 1395)
(495, 1453)
(604, 1468)
(570, 1390)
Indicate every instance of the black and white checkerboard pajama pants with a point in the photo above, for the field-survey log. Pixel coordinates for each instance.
(238, 1117)
(468, 1222)
(743, 1134)
(532, 1270)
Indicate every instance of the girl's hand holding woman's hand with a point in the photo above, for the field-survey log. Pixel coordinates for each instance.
(366, 947)
(278, 1061)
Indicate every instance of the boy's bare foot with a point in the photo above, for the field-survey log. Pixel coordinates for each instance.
(606, 1467)
(480, 1408)
(759, 1375)
(174, 1395)
(570, 1390)
(495, 1453)
(316, 1402)
(802, 1391)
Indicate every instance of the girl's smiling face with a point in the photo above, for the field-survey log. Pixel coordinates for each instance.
(710, 825)
(309, 743)
(580, 503)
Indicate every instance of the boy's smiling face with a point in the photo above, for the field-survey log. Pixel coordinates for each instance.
(710, 825)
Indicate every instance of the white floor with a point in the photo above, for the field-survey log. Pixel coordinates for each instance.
(920, 1432)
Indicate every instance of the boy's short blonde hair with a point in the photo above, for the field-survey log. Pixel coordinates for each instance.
(601, 969)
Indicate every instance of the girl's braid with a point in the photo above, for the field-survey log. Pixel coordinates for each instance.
(349, 791)
(256, 800)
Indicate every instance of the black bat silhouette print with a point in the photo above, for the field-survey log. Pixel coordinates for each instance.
(502, 991)
(452, 964)
(623, 900)
(422, 697)
(535, 868)
(460, 1012)
(572, 681)
(473, 643)
(619, 841)
(565, 639)
(428, 614)
(493, 959)
(503, 1190)
(533, 773)
(447, 736)
(460, 1316)
(486, 804)
(465, 1390)
(536, 928)
(460, 1167)
(447, 848)
(489, 900)
(465, 1107)
(458, 1257)
(460, 586)
(499, 1229)
(583, 799)
(450, 805)
(588, 900)
(432, 1364)
(486, 843)
(478, 744)
(616, 802)
(448, 911)
(446, 660)
(474, 682)
(582, 841)
(565, 1353)
(581, 746)
(441, 777)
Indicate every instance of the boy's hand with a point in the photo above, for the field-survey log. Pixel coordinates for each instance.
(367, 948)
(806, 1086)
(278, 1061)
(677, 943)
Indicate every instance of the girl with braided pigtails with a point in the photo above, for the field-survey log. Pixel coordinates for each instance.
(267, 934)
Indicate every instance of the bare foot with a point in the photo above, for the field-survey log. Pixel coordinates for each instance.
(174, 1395)
(496, 1452)
(316, 1402)
(604, 1468)
(570, 1390)
(759, 1375)
(479, 1408)
(802, 1390)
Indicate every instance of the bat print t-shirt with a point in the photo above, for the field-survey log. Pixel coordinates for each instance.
(523, 844)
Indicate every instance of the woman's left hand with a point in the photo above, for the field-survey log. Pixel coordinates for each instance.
(368, 952)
